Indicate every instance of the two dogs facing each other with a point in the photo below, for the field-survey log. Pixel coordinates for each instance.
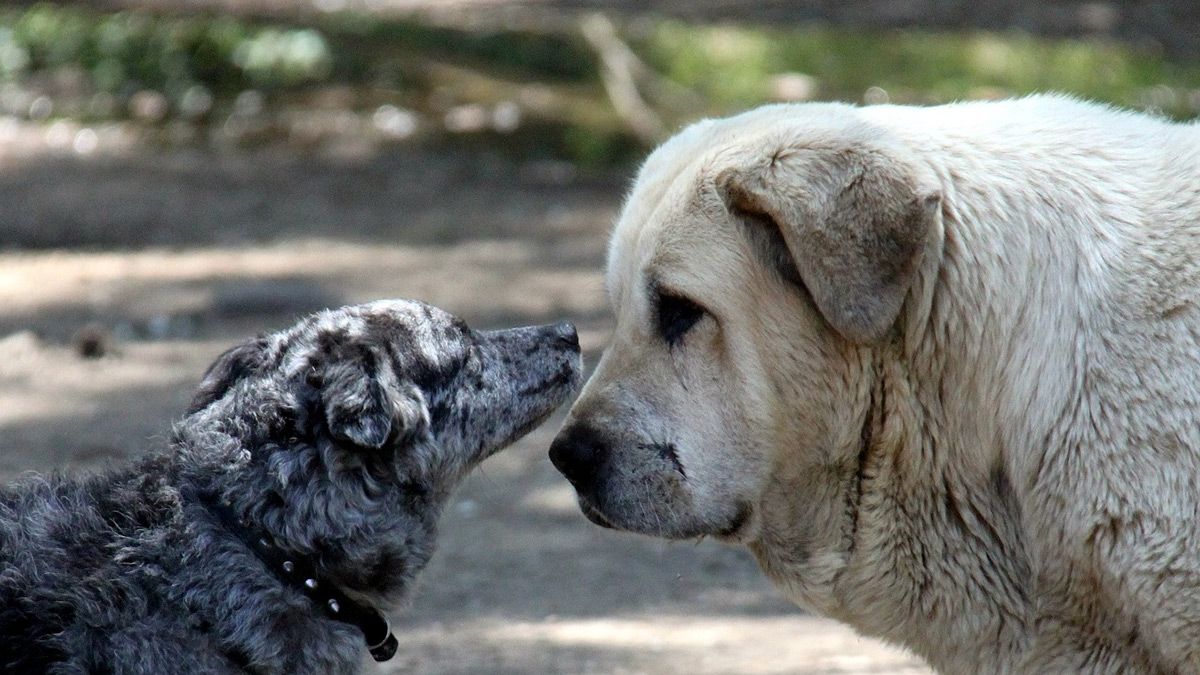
(938, 368)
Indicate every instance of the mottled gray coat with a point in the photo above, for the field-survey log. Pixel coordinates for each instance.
(340, 438)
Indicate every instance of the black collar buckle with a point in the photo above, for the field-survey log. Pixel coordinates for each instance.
(386, 649)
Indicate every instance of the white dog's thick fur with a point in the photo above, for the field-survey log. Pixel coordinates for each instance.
(939, 368)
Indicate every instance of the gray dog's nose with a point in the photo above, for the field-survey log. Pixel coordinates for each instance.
(578, 452)
(565, 331)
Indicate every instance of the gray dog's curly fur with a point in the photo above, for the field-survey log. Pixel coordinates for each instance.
(339, 438)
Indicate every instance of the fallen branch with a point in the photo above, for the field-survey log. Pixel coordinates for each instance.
(619, 68)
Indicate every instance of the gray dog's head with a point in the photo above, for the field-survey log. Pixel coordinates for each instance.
(399, 373)
(343, 434)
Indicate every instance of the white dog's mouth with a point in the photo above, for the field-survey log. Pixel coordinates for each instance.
(641, 487)
(730, 529)
(593, 514)
(737, 524)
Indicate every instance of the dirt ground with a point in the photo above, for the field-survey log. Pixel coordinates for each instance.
(168, 257)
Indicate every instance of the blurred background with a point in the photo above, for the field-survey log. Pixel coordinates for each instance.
(176, 175)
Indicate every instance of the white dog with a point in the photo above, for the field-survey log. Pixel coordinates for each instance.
(938, 368)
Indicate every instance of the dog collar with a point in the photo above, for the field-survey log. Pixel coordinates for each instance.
(300, 572)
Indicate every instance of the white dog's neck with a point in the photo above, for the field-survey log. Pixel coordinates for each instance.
(992, 353)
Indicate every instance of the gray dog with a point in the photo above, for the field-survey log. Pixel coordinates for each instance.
(299, 497)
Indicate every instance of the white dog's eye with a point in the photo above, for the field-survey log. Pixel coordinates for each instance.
(676, 316)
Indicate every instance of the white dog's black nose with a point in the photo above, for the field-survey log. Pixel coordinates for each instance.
(578, 452)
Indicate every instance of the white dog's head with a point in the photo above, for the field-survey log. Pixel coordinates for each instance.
(758, 262)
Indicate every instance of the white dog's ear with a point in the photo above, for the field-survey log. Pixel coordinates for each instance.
(854, 223)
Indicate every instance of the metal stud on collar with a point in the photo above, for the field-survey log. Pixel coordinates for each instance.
(370, 621)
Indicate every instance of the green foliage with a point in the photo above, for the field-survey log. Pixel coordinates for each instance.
(365, 41)
(129, 50)
(360, 62)
(733, 65)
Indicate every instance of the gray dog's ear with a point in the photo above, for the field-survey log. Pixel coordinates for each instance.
(231, 366)
(365, 406)
(854, 224)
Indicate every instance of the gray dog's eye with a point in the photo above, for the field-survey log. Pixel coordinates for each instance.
(676, 316)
